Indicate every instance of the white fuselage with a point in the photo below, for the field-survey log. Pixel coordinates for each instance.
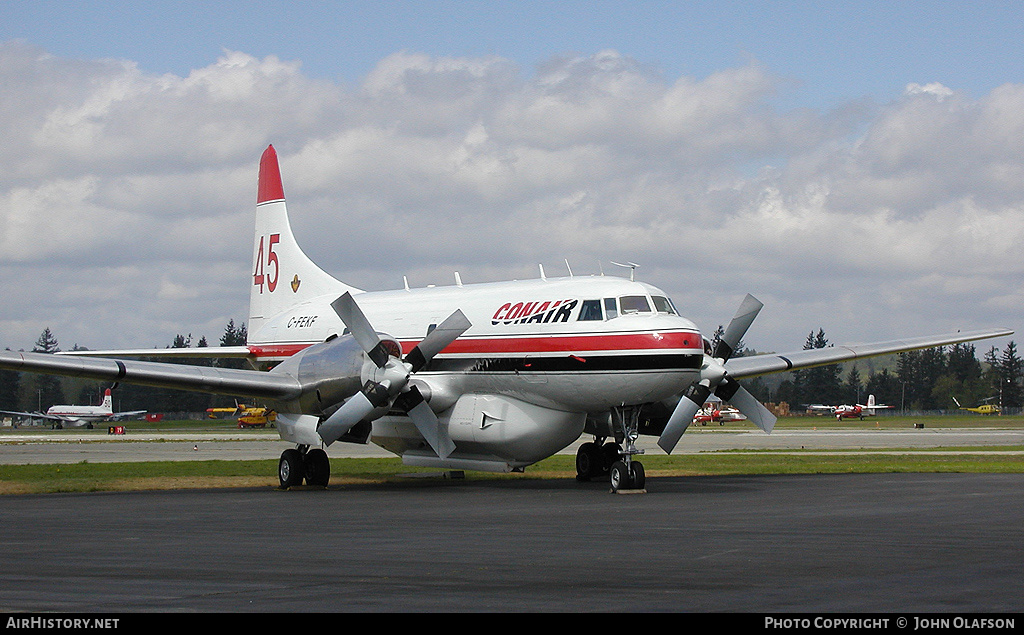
(570, 346)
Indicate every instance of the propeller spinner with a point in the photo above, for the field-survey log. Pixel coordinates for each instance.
(389, 385)
(715, 378)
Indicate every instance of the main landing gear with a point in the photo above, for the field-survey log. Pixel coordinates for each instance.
(304, 464)
(598, 459)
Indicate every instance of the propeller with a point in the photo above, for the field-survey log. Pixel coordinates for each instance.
(715, 378)
(388, 384)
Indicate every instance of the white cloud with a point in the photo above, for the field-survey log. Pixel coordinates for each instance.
(871, 221)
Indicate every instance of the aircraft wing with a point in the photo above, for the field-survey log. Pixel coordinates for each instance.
(742, 367)
(219, 381)
(33, 415)
(130, 413)
(188, 353)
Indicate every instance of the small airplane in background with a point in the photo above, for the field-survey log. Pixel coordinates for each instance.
(489, 376)
(983, 409)
(248, 416)
(857, 411)
(718, 414)
(80, 415)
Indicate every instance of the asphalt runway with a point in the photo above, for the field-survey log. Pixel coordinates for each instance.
(888, 543)
(34, 446)
(880, 543)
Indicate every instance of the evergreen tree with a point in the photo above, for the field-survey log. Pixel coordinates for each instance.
(49, 389)
(908, 373)
(821, 384)
(237, 336)
(884, 386)
(993, 372)
(233, 337)
(1010, 372)
(853, 385)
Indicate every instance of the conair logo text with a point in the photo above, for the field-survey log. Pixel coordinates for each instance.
(542, 312)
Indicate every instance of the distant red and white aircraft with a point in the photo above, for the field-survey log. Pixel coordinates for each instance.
(857, 411)
(493, 376)
(80, 415)
(713, 414)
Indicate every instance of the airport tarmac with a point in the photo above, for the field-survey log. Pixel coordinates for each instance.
(881, 544)
(27, 446)
(890, 544)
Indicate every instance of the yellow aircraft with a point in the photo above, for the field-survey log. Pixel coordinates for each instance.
(248, 416)
(984, 409)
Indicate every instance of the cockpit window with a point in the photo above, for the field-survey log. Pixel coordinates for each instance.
(663, 304)
(610, 308)
(634, 304)
(590, 311)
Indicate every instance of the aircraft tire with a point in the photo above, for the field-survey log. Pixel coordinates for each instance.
(637, 474)
(290, 469)
(588, 461)
(619, 476)
(318, 468)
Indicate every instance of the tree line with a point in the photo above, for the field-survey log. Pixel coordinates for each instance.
(927, 379)
(29, 392)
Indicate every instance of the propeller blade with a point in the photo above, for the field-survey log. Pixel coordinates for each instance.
(357, 408)
(437, 340)
(731, 391)
(361, 329)
(737, 328)
(692, 401)
(348, 415)
(426, 422)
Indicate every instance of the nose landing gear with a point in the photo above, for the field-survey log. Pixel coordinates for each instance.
(615, 460)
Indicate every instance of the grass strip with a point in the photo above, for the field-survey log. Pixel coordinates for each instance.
(97, 477)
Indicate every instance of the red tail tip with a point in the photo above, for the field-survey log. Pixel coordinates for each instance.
(270, 187)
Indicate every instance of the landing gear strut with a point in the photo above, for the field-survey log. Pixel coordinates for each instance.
(615, 460)
(303, 463)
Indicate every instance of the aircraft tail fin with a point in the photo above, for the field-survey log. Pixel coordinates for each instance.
(108, 401)
(283, 276)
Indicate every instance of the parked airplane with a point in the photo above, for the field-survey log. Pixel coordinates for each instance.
(80, 415)
(983, 409)
(493, 376)
(713, 414)
(858, 411)
(248, 416)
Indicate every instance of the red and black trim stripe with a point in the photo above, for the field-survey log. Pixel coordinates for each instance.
(599, 352)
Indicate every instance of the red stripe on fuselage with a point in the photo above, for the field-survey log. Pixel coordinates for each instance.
(568, 344)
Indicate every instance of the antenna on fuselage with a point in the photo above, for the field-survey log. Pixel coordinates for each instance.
(568, 267)
(632, 267)
(405, 279)
(542, 276)
(458, 279)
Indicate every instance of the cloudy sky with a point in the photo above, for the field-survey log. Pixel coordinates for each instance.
(858, 166)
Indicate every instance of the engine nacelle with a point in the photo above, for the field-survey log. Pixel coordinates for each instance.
(487, 428)
(329, 373)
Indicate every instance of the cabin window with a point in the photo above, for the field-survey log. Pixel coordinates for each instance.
(610, 308)
(591, 311)
(663, 304)
(634, 304)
